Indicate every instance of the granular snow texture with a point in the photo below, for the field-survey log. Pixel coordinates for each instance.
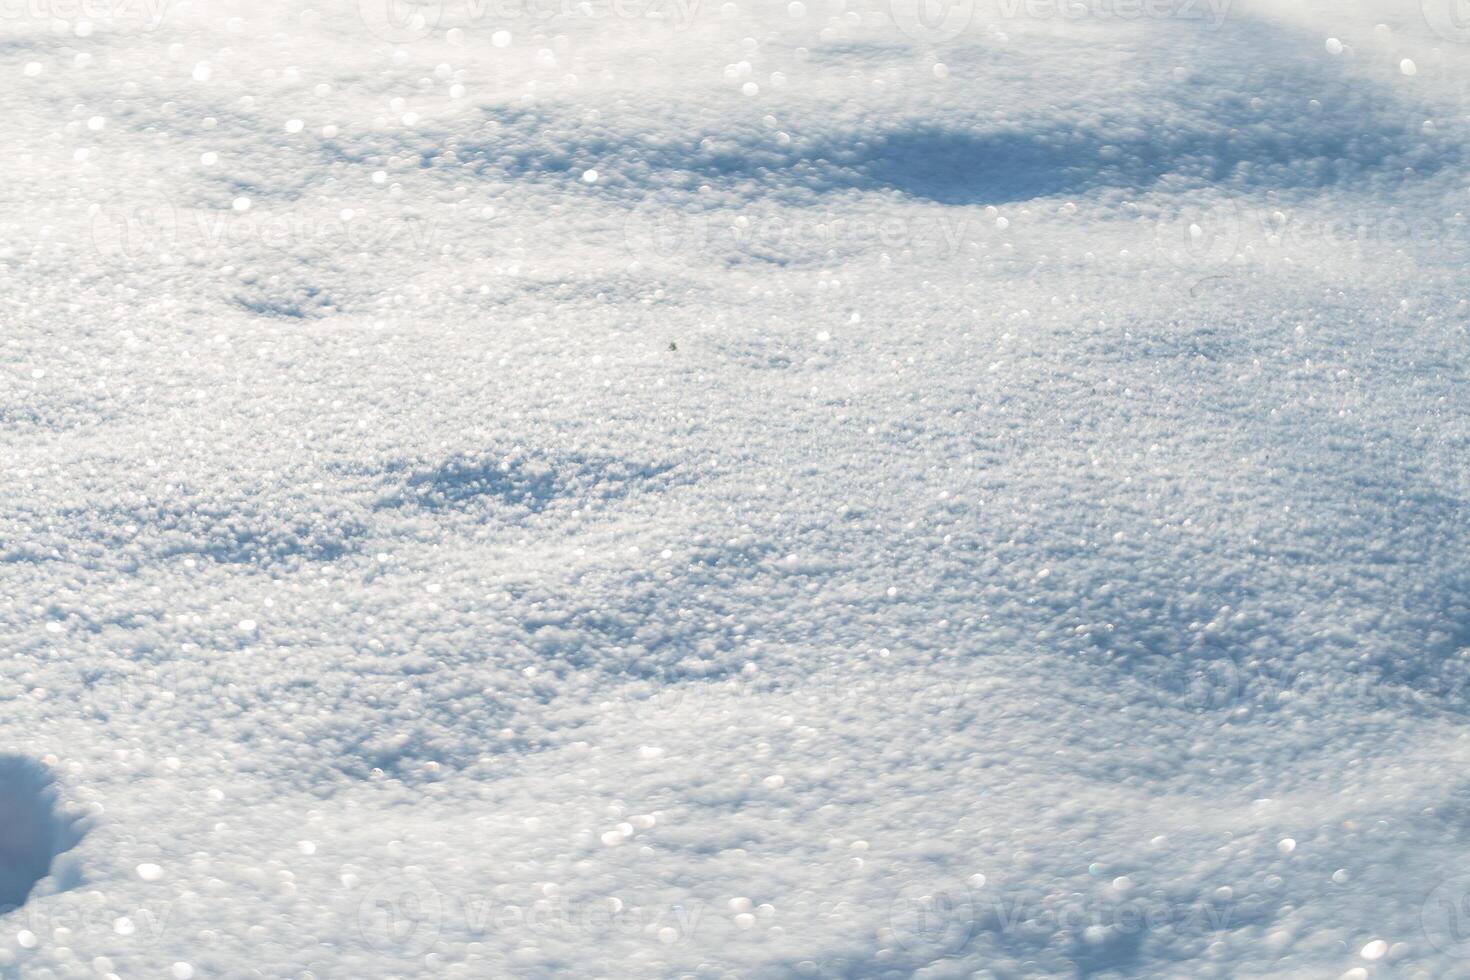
(657, 488)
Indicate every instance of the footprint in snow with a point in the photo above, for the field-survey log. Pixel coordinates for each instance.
(33, 832)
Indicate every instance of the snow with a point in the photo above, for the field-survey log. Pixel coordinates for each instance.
(757, 489)
(34, 837)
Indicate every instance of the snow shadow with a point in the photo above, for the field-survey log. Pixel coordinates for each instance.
(532, 483)
(33, 831)
(1321, 125)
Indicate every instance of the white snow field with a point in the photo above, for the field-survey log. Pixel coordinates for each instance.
(655, 488)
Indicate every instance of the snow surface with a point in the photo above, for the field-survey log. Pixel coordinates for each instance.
(664, 488)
